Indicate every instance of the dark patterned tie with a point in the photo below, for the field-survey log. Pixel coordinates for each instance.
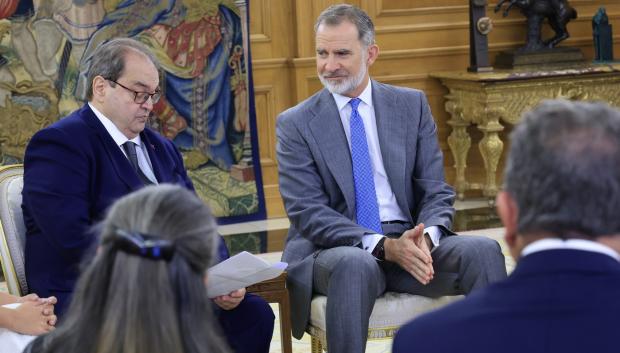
(367, 208)
(130, 149)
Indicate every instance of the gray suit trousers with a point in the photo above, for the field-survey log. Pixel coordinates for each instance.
(352, 279)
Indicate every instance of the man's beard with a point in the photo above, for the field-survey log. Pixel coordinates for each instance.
(346, 85)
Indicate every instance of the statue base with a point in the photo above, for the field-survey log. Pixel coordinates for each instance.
(556, 58)
(480, 69)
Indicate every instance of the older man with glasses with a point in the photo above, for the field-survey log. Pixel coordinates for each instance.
(75, 168)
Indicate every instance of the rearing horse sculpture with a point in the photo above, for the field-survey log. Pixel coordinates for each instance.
(558, 13)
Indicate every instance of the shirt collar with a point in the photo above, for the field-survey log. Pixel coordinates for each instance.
(573, 244)
(114, 132)
(365, 96)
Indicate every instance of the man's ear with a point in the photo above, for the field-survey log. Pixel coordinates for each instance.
(99, 87)
(509, 213)
(373, 54)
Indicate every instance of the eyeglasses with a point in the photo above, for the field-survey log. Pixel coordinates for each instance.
(141, 97)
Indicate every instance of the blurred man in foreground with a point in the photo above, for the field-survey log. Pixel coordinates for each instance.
(560, 208)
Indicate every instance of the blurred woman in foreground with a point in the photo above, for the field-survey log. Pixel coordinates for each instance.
(145, 290)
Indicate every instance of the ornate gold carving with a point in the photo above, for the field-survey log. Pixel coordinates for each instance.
(318, 337)
(459, 143)
(485, 99)
(315, 345)
(572, 92)
(491, 148)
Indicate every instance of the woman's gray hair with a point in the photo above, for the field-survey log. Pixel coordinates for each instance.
(126, 302)
(108, 60)
(563, 169)
(336, 14)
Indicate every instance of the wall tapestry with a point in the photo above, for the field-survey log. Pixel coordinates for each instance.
(208, 103)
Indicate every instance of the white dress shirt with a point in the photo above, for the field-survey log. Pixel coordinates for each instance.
(119, 138)
(573, 244)
(388, 207)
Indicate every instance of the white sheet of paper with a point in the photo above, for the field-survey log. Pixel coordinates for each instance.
(240, 271)
(13, 342)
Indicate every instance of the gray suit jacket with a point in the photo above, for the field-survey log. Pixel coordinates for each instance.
(316, 179)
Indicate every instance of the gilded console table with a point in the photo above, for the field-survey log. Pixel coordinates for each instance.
(487, 100)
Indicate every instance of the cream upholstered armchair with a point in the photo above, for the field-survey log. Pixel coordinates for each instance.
(12, 229)
(391, 311)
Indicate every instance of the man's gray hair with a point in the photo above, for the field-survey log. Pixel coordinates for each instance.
(108, 61)
(336, 14)
(563, 169)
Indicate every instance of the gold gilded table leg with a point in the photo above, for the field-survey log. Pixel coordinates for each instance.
(491, 149)
(459, 142)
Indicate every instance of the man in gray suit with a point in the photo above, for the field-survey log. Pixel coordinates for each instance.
(361, 175)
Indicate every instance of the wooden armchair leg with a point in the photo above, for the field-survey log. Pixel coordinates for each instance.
(285, 324)
(275, 291)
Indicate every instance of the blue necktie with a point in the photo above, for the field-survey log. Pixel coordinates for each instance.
(367, 208)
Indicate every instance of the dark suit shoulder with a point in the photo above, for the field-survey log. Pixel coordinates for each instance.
(528, 304)
(75, 120)
(73, 127)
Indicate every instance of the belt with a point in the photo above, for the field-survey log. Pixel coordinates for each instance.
(394, 222)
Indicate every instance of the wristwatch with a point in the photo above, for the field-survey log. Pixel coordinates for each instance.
(426, 235)
(379, 251)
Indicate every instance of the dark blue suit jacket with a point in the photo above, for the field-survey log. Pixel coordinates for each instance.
(73, 170)
(554, 301)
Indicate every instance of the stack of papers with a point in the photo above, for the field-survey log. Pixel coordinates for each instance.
(240, 271)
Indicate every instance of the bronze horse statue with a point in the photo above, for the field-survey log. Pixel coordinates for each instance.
(557, 12)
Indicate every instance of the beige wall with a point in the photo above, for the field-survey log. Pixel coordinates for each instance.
(416, 37)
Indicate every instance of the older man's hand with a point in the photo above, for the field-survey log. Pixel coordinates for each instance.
(230, 301)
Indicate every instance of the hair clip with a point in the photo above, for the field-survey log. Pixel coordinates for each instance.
(143, 245)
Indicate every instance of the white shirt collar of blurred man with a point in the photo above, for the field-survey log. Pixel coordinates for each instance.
(571, 244)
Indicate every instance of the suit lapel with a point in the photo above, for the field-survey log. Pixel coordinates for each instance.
(329, 134)
(156, 163)
(119, 162)
(391, 128)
